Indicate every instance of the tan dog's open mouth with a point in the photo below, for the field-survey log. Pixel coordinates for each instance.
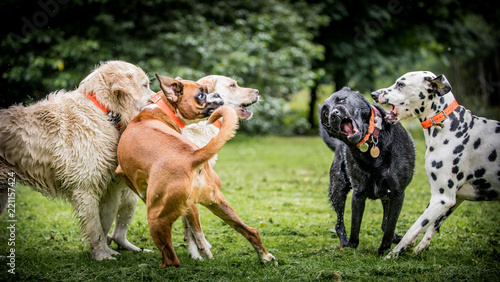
(243, 112)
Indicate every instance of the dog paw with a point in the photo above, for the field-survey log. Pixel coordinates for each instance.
(105, 254)
(267, 258)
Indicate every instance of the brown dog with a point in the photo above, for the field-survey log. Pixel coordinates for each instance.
(170, 173)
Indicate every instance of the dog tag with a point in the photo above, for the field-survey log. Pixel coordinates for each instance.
(375, 151)
(363, 147)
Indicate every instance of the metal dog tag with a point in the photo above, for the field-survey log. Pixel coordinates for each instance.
(363, 147)
(375, 151)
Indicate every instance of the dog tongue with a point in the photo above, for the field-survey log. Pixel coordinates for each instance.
(348, 129)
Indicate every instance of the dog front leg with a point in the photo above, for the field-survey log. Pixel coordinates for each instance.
(226, 213)
(392, 209)
(424, 244)
(193, 234)
(358, 208)
(434, 210)
(338, 198)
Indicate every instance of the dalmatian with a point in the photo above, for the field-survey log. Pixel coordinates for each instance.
(462, 159)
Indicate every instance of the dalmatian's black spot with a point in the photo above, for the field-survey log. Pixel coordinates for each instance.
(446, 141)
(441, 190)
(431, 149)
(497, 130)
(421, 96)
(460, 176)
(471, 125)
(466, 140)
(458, 149)
(477, 143)
(438, 165)
(479, 172)
(423, 103)
(417, 112)
(459, 134)
(484, 121)
(493, 156)
(407, 110)
(402, 103)
(442, 203)
(470, 176)
(450, 184)
(456, 161)
(481, 184)
(441, 100)
(404, 78)
(433, 106)
(435, 132)
(422, 109)
(425, 222)
(455, 170)
(434, 177)
(454, 123)
(430, 91)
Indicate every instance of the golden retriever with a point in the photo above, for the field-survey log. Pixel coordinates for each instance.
(65, 147)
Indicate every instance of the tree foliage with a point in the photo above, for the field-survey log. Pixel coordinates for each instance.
(277, 46)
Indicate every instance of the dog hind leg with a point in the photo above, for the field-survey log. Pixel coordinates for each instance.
(228, 215)
(86, 205)
(193, 234)
(161, 232)
(124, 217)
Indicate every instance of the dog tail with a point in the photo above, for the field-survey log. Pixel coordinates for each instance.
(227, 131)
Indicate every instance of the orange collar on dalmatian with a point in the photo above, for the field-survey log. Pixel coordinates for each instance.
(372, 129)
(115, 118)
(435, 120)
(166, 109)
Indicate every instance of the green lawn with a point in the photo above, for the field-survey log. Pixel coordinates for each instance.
(279, 186)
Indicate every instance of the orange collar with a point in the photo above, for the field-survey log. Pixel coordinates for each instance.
(166, 109)
(435, 120)
(115, 118)
(371, 128)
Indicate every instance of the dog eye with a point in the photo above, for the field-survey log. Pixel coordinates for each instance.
(233, 85)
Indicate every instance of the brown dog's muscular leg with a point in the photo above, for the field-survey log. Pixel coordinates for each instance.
(226, 213)
(193, 234)
(161, 232)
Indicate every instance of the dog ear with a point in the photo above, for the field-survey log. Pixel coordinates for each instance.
(125, 83)
(172, 88)
(209, 82)
(440, 85)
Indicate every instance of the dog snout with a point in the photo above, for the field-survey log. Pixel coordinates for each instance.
(375, 95)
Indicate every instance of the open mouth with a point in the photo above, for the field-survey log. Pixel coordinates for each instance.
(347, 127)
(393, 115)
(245, 113)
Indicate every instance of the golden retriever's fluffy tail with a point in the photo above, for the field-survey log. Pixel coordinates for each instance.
(227, 131)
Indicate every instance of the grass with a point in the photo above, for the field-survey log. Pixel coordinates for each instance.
(279, 186)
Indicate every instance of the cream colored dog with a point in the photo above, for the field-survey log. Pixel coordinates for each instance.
(65, 147)
(200, 133)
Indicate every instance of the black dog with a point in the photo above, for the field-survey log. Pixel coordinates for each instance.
(374, 158)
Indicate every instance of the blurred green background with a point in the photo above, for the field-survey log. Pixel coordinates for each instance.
(295, 52)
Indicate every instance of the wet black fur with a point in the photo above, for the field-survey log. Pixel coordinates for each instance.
(384, 177)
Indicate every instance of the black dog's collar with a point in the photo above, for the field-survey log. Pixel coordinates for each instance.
(373, 132)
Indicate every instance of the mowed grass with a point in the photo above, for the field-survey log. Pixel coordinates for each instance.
(279, 186)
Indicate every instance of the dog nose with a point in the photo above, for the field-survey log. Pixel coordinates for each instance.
(375, 95)
(336, 112)
(216, 95)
